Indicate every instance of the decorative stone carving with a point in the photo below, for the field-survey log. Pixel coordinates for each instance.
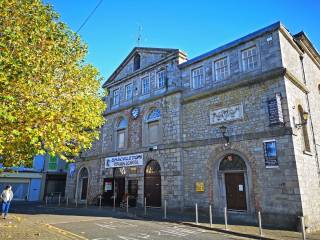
(226, 114)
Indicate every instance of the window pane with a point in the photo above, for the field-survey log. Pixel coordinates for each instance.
(153, 132)
(221, 69)
(250, 59)
(145, 85)
(52, 163)
(197, 77)
(116, 97)
(121, 139)
(122, 124)
(128, 91)
(154, 115)
(161, 79)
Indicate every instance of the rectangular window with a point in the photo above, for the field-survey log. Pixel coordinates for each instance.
(221, 69)
(120, 138)
(161, 78)
(153, 132)
(116, 97)
(249, 59)
(145, 85)
(129, 91)
(197, 77)
(52, 163)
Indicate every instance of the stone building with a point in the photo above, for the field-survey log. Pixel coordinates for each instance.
(237, 127)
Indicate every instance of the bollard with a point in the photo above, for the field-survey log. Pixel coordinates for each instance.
(197, 222)
(303, 229)
(59, 201)
(46, 200)
(210, 215)
(165, 209)
(260, 223)
(76, 202)
(67, 201)
(225, 219)
(114, 202)
(127, 204)
(86, 203)
(100, 197)
(145, 206)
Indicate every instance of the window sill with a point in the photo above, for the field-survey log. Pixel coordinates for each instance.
(307, 153)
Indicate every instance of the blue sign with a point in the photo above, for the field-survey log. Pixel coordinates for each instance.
(270, 154)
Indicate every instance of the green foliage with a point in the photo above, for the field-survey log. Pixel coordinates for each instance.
(49, 96)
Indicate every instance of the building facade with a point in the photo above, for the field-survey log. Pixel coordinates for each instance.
(237, 127)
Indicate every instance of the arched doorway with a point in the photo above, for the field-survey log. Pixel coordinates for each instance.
(83, 180)
(152, 184)
(234, 169)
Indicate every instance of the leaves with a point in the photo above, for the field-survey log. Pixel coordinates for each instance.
(49, 97)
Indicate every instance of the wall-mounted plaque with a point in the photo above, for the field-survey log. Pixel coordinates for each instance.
(226, 114)
(275, 110)
(199, 186)
(270, 154)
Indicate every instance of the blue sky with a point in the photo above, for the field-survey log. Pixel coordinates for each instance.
(192, 26)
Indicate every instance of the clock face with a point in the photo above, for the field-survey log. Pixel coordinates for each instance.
(135, 112)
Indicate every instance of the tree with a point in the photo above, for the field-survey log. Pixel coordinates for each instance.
(49, 95)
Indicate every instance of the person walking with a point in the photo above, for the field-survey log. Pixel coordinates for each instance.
(6, 197)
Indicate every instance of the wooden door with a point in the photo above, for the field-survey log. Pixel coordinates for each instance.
(152, 184)
(152, 190)
(235, 191)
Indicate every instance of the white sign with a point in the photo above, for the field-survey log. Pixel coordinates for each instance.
(124, 161)
(226, 114)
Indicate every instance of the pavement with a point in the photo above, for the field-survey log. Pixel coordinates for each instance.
(37, 221)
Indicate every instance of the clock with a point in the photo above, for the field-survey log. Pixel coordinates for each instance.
(135, 112)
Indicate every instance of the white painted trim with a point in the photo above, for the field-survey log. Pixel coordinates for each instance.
(141, 84)
(191, 79)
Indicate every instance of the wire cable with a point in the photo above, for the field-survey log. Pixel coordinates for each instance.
(89, 16)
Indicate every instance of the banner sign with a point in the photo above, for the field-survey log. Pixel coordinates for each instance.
(124, 161)
(270, 154)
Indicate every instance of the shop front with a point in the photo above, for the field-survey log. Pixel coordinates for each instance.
(129, 178)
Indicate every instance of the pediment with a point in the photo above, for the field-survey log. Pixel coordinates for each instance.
(148, 56)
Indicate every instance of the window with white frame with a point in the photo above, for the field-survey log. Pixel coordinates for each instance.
(161, 79)
(116, 97)
(249, 58)
(145, 85)
(221, 69)
(197, 76)
(129, 88)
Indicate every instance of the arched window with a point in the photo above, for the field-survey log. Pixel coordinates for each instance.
(84, 173)
(304, 129)
(121, 133)
(136, 62)
(153, 126)
(153, 168)
(83, 181)
(232, 162)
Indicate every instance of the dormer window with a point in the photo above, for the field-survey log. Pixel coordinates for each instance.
(136, 62)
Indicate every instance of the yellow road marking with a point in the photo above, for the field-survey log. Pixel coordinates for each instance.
(66, 233)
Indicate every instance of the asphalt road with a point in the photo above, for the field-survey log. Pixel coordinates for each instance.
(129, 229)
